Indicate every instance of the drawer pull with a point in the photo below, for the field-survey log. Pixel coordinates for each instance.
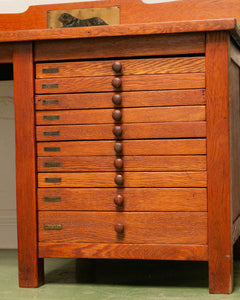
(50, 70)
(118, 147)
(52, 199)
(117, 115)
(53, 180)
(119, 179)
(51, 133)
(117, 82)
(51, 118)
(50, 86)
(117, 67)
(52, 227)
(119, 228)
(52, 149)
(49, 164)
(50, 102)
(118, 163)
(117, 131)
(119, 200)
(117, 99)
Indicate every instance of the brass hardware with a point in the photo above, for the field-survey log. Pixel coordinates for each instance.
(51, 133)
(52, 227)
(50, 86)
(52, 149)
(50, 70)
(52, 199)
(53, 180)
(49, 164)
(51, 118)
(50, 102)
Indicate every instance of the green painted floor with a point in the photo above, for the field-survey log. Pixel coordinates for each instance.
(71, 279)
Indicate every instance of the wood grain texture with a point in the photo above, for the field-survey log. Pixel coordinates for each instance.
(139, 228)
(124, 251)
(35, 16)
(118, 30)
(129, 99)
(129, 115)
(129, 67)
(131, 179)
(135, 199)
(130, 147)
(130, 131)
(165, 44)
(129, 83)
(234, 108)
(219, 207)
(130, 163)
(6, 53)
(30, 267)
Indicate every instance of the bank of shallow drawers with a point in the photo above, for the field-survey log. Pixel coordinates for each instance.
(121, 148)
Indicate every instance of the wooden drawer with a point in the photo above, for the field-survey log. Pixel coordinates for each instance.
(128, 99)
(130, 147)
(128, 83)
(128, 67)
(156, 228)
(131, 179)
(133, 199)
(126, 163)
(126, 115)
(129, 131)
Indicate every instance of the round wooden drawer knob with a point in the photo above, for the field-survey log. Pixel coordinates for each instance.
(119, 228)
(116, 82)
(117, 131)
(118, 200)
(117, 99)
(117, 67)
(117, 115)
(118, 147)
(118, 163)
(119, 180)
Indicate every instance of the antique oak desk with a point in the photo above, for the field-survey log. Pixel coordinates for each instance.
(127, 144)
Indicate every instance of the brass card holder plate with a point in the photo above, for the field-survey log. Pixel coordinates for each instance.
(83, 17)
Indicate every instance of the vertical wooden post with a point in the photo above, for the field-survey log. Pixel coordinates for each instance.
(30, 267)
(218, 163)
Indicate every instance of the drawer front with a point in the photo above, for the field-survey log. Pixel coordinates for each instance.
(126, 131)
(127, 83)
(128, 99)
(130, 147)
(126, 115)
(156, 228)
(123, 163)
(127, 199)
(128, 179)
(124, 67)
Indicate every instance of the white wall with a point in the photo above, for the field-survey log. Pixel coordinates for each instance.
(8, 232)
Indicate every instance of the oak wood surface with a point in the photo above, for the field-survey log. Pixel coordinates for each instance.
(124, 251)
(129, 115)
(131, 179)
(93, 227)
(130, 131)
(219, 207)
(134, 199)
(129, 83)
(30, 267)
(6, 53)
(128, 46)
(130, 147)
(129, 67)
(129, 99)
(130, 163)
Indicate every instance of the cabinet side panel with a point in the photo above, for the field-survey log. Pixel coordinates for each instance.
(219, 207)
(30, 267)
